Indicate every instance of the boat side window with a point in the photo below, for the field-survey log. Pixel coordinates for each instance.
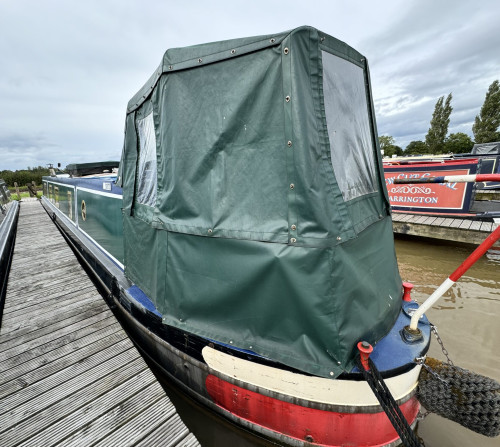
(146, 166)
(349, 127)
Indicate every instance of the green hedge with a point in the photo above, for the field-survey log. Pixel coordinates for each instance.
(24, 176)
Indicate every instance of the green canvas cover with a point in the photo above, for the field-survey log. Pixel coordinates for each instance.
(255, 210)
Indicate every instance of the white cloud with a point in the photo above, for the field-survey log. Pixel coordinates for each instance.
(69, 68)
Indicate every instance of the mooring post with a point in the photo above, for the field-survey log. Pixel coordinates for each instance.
(17, 191)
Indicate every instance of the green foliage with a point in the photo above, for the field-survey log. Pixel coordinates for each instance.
(385, 141)
(387, 144)
(487, 124)
(458, 143)
(416, 148)
(24, 176)
(439, 125)
(393, 150)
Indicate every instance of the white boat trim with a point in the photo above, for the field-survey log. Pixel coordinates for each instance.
(100, 193)
(347, 393)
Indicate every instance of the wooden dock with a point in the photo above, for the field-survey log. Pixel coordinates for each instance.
(69, 375)
(444, 228)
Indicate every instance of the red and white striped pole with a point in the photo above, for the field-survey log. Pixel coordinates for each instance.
(454, 277)
(452, 179)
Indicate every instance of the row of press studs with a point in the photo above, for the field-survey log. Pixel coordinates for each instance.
(293, 227)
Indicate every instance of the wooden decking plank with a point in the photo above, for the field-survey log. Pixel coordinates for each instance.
(16, 408)
(20, 261)
(129, 418)
(456, 223)
(407, 217)
(169, 434)
(61, 320)
(54, 366)
(69, 374)
(486, 226)
(41, 361)
(25, 306)
(43, 294)
(475, 225)
(20, 285)
(7, 351)
(438, 221)
(78, 424)
(27, 271)
(130, 374)
(47, 284)
(465, 224)
(34, 351)
(47, 312)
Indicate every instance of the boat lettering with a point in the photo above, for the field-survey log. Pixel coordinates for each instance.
(430, 200)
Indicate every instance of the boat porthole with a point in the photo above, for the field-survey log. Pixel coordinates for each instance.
(84, 210)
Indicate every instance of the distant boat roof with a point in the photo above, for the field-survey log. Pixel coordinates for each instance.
(80, 169)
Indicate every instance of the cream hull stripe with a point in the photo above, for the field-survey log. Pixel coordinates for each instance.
(314, 389)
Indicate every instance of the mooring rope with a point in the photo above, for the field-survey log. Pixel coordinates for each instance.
(389, 405)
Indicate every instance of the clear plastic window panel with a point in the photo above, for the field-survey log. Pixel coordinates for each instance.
(146, 169)
(349, 129)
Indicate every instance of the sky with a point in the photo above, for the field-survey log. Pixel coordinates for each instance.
(68, 68)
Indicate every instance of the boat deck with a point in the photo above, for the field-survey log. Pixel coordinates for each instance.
(445, 228)
(69, 375)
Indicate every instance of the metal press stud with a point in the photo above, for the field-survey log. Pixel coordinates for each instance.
(293, 240)
(285, 50)
(272, 40)
(287, 99)
(289, 144)
(170, 67)
(209, 231)
(292, 186)
(233, 51)
(200, 60)
(339, 238)
(331, 373)
(293, 227)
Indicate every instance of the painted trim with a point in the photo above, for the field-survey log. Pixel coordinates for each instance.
(66, 185)
(100, 193)
(345, 393)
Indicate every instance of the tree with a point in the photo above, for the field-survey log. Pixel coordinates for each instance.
(458, 143)
(385, 141)
(439, 125)
(393, 150)
(387, 144)
(416, 148)
(487, 123)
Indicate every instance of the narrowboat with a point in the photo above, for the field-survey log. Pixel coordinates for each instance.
(246, 240)
(452, 198)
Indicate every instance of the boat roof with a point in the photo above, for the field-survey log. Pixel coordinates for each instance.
(100, 167)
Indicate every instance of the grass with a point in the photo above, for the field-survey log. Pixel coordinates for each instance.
(22, 194)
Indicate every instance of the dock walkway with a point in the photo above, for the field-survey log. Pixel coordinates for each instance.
(441, 227)
(69, 375)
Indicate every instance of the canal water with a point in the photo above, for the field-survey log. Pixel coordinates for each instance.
(467, 318)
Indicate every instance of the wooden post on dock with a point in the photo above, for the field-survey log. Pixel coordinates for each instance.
(17, 191)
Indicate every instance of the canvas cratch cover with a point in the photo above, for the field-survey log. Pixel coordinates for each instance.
(255, 210)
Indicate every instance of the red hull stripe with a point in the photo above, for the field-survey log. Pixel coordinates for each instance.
(324, 428)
